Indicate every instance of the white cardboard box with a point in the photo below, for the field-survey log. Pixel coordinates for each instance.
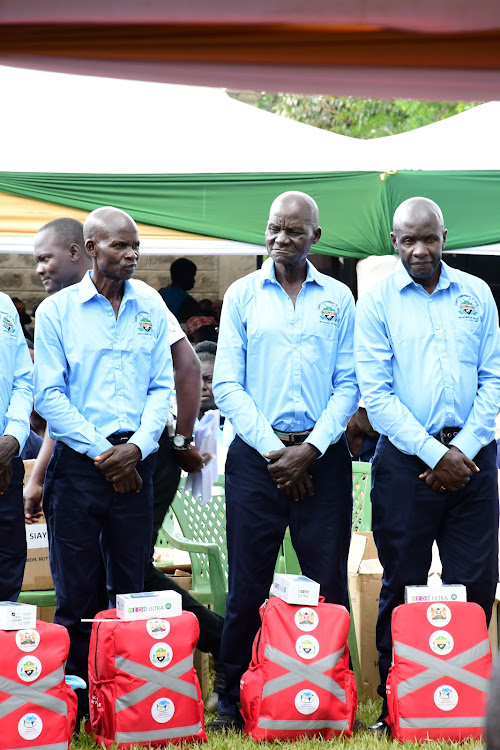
(444, 593)
(17, 616)
(296, 589)
(148, 604)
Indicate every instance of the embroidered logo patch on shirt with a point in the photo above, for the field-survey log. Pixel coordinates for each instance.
(467, 307)
(8, 324)
(328, 312)
(143, 322)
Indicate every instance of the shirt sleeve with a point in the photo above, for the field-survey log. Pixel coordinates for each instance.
(229, 382)
(476, 432)
(374, 369)
(345, 397)
(155, 413)
(65, 422)
(17, 417)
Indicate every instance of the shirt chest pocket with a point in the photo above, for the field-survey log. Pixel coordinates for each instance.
(468, 341)
(142, 355)
(325, 348)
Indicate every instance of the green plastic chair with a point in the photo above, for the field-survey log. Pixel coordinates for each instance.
(203, 535)
(362, 507)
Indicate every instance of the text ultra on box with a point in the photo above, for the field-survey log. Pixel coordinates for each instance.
(444, 593)
(148, 604)
(17, 616)
(295, 589)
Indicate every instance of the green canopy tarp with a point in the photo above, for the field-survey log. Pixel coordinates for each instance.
(356, 208)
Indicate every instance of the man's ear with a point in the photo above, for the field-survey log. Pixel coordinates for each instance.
(317, 235)
(393, 240)
(90, 248)
(445, 232)
(75, 252)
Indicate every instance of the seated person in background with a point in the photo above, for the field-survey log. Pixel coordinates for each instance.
(361, 437)
(175, 295)
(206, 307)
(206, 351)
(201, 328)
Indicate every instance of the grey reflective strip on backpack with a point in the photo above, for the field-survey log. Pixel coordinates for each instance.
(297, 672)
(303, 724)
(169, 679)
(156, 734)
(446, 722)
(33, 693)
(437, 668)
(56, 746)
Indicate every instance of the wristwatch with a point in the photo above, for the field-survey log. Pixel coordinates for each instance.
(181, 443)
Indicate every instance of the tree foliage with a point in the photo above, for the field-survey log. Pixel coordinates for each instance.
(360, 118)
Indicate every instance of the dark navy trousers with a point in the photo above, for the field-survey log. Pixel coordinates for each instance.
(12, 536)
(408, 516)
(257, 516)
(87, 522)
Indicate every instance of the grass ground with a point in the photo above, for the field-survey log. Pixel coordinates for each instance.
(368, 712)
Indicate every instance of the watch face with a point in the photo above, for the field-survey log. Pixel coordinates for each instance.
(179, 441)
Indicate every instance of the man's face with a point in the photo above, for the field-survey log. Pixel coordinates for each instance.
(419, 240)
(207, 395)
(290, 232)
(115, 248)
(53, 261)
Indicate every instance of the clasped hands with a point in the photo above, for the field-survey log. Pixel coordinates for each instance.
(118, 466)
(452, 472)
(288, 467)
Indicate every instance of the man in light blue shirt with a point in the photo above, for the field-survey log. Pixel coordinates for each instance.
(16, 403)
(103, 379)
(428, 363)
(284, 377)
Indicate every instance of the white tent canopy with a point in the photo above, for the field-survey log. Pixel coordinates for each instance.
(55, 122)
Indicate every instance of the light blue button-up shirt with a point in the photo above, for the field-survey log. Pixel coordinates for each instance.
(428, 361)
(97, 374)
(16, 375)
(286, 367)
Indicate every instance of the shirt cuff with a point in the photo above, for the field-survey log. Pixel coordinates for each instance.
(99, 447)
(321, 439)
(468, 443)
(17, 431)
(432, 452)
(145, 443)
(268, 444)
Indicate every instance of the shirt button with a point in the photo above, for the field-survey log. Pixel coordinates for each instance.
(448, 385)
(110, 315)
(296, 346)
(296, 372)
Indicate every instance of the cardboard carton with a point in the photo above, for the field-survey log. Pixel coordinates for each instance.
(37, 576)
(435, 593)
(148, 604)
(365, 581)
(17, 616)
(295, 589)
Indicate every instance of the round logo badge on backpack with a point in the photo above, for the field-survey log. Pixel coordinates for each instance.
(29, 668)
(162, 710)
(27, 640)
(445, 697)
(306, 701)
(306, 619)
(307, 646)
(158, 628)
(160, 655)
(30, 726)
(441, 642)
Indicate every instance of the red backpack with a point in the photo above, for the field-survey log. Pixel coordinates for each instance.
(299, 683)
(438, 684)
(37, 708)
(143, 688)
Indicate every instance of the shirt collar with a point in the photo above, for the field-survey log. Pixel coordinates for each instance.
(87, 289)
(447, 276)
(267, 273)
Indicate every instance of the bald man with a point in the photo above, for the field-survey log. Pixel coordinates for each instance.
(428, 365)
(284, 376)
(103, 380)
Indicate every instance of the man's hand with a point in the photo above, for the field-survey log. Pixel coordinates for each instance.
(8, 449)
(192, 460)
(131, 483)
(32, 496)
(118, 461)
(451, 473)
(288, 467)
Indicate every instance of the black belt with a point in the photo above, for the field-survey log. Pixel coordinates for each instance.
(118, 438)
(292, 438)
(446, 435)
